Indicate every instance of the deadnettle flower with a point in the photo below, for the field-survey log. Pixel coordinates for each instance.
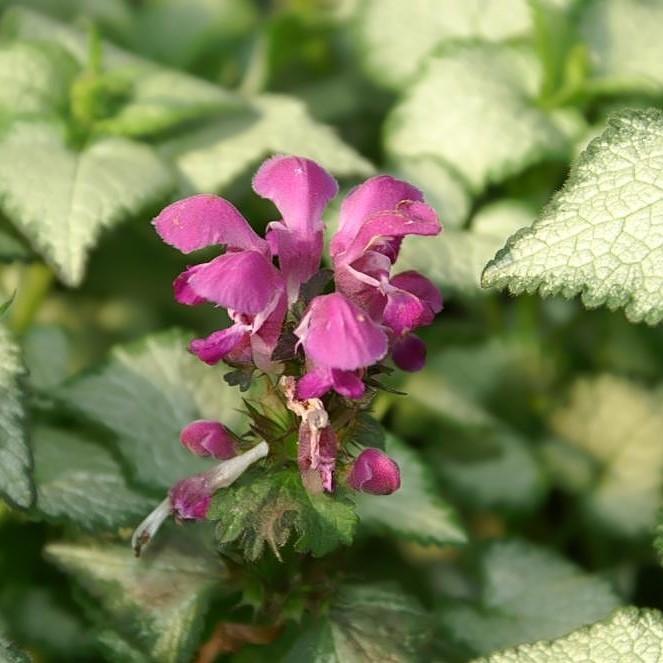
(208, 438)
(375, 472)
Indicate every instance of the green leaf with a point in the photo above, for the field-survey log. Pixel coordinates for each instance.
(157, 98)
(217, 154)
(15, 460)
(475, 109)
(624, 43)
(455, 258)
(80, 482)
(35, 78)
(47, 354)
(619, 424)
(496, 469)
(602, 234)
(11, 654)
(156, 602)
(628, 635)
(364, 624)
(145, 394)
(272, 508)
(62, 199)
(528, 593)
(12, 249)
(396, 38)
(416, 511)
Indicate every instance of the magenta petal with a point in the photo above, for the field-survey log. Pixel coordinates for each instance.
(299, 255)
(404, 312)
(191, 498)
(375, 472)
(375, 195)
(348, 384)
(205, 437)
(335, 333)
(244, 281)
(183, 292)
(219, 344)
(421, 287)
(204, 220)
(266, 334)
(315, 384)
(409, 353)
(299, 188)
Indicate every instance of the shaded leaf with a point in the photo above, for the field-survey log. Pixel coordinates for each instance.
(47, 354)
(145, 394)
(528, 593)
(602, 234)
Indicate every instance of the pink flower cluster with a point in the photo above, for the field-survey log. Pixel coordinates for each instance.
(370, 314)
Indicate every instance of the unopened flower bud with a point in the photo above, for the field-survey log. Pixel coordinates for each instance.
(409, 353)
(375, 472)
(208, 438)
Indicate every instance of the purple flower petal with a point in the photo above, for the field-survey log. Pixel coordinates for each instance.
(205, 437)
(375, 472)
(244, 281)
(422, 288)
(299, 188)
(266, 331)
(409, 353)
(191, 498)
(315, 384)
(404, 312)
(183, 292)
(220, 344)
(205, 220)
(348, 384)
(377, 194)
(335, 333)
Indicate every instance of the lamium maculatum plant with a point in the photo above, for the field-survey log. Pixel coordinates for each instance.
(309, 345)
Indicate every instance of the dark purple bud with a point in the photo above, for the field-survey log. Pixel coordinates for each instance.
(376, 473)
(190, 498)
(205, 437)
(409, 353)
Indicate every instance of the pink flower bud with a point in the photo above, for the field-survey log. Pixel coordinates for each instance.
(376, 473)
(409, 353)
(190, 498)
(208, 438)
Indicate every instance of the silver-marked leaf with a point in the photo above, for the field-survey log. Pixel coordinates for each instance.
(215, 155)
(78, 481)
(157, 601)
(629, 635)
(396, 37)
(528, 593)
(62, 199)
(364, 624)
(416, 511)
(9, 653)
(602, 234)
(474, 109)
(619, 424)
(15, 460)
(145, 394)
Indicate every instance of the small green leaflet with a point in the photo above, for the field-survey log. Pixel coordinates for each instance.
(273, 507)
(156, 602)
(364, 624)
(35, 78)
(15, 460)
(628, 635)
(78, 481)
(214, 156)
(528, 594)
(144, 395)
(416, 511)
(493, 128)
(62, 199)
(455, 258)
(602, 234)
(624, 41)
(619, 424)
(393, 56)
